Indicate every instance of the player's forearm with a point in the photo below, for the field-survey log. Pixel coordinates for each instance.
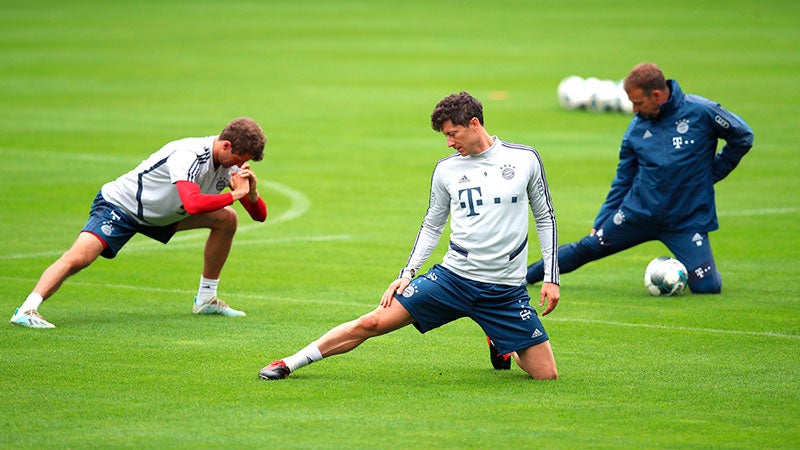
(427, 240)
(547, 233)
(195, 202)
(257, 209)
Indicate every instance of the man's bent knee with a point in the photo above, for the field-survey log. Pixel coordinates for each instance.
(383, 320)
(228, 219)
(538, 361)
(370, 325)
(545, 370)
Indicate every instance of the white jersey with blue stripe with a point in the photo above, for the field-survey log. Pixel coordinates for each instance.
(148, 193)
(488, 196)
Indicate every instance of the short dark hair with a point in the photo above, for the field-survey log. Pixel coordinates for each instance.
(646, 76)
(246, 138)
(458, 108)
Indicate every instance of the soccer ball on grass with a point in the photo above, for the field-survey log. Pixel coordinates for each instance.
(574, 93)
(605, 97)
(665, 276)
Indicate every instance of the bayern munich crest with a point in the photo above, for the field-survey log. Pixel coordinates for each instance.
(107, 228)
(409, 291)
(221, 183)
(619, 217)
(682, 126)
(507, 172)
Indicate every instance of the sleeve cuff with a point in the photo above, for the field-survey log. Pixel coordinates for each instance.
(407, 272)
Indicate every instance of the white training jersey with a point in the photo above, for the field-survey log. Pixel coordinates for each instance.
(148, 192)
(488, 196)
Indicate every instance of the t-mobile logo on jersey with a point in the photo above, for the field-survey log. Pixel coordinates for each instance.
(678, 142)
(471, 200)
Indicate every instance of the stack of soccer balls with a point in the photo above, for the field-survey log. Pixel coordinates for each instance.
(665, 276)
(594, 95)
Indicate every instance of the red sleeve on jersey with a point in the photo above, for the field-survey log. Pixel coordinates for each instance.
(195, 202)
(257, 210)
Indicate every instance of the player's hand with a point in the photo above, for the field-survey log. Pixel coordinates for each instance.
(550, 292)
(395, 287)
(240, 185)
(246, 171)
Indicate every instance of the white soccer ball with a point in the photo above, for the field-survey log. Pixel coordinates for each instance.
(665, 276)
(604, 97)
(573, 93)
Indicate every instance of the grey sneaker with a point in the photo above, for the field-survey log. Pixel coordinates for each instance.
(216, 306)
(30, 318)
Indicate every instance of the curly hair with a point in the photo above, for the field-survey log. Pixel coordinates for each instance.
(246, 137)
(458, 108)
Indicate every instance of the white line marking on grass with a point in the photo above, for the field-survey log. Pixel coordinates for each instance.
(299, 202)
(758, 212)
(50, 253)
(149, 245)
(673, 328)
(191, 293)
(74, 156)
(268, 297)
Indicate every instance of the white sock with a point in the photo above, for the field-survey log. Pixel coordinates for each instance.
(207, 290)
(304, 357)
(34, 301)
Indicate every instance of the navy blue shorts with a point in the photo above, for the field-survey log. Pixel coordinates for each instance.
(115, 228)
(503, 312)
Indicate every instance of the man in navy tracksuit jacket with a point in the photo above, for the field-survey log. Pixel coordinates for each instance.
(664, 186)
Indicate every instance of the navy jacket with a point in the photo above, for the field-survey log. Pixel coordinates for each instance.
(668, 165)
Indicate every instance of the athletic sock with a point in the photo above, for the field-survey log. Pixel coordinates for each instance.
(206, 291)
(34, 301)
(304, 357)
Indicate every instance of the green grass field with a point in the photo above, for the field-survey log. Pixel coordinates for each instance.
(344, 91)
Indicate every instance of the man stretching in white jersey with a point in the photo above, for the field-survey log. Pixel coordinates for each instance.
(486, 188)
(177, 188)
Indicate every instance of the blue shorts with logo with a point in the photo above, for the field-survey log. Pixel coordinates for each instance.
(503, 312)
(115, 228)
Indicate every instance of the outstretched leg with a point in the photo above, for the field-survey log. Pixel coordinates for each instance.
(83, 252)
(342, 339)
(350, 335)
(570, 257)
(615, 235)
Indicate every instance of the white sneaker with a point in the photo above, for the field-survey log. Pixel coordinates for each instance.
(30, 318)
(216, 306)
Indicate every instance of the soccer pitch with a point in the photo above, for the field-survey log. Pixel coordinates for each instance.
(344, 91)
